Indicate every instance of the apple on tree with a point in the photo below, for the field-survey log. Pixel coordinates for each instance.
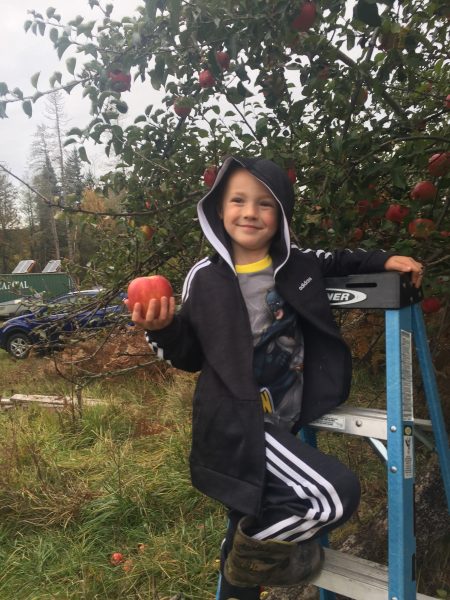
(305, 17)
(223, 60)
(424, 190)
(292, 175)
(209, 175)
(447, 103)
(182, 107)
(147, 231)
(206, 79)
(120, 81)
(439, 164)
(396, 213)
(143, 289)
(431, 304)
(421, 228)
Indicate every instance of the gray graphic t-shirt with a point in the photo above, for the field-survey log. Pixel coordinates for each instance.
(278, 343)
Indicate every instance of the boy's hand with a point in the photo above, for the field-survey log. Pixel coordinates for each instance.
(406, 264)
(150, 321)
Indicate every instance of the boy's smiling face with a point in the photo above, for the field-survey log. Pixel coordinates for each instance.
(250, 216)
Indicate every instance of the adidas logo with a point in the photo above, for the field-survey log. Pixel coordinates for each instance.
(304, 284)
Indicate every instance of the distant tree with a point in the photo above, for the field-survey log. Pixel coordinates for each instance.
(9, 219)
(29, 211)
(46, 182)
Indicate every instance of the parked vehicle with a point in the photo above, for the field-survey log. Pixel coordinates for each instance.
(44, 328)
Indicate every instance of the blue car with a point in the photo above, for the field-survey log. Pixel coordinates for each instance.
(42, 328)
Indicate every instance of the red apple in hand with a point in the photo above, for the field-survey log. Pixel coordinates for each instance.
(144, 289)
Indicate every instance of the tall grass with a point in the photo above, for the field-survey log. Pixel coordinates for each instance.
(74, 488)
(73, 491)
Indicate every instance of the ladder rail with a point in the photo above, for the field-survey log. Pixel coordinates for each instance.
(431, 392)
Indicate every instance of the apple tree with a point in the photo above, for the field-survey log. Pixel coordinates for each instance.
(351, 98)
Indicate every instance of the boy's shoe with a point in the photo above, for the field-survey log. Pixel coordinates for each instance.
(227, 591)
(276, 563)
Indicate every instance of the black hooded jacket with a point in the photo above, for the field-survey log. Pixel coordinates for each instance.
(211, 333)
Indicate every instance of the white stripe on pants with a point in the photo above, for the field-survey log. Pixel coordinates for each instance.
(307, 492)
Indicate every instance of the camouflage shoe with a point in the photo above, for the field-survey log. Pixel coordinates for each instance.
(270, 562)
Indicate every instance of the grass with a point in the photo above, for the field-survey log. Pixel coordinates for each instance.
(74, 488)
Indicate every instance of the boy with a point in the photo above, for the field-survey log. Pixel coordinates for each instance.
(256, 321)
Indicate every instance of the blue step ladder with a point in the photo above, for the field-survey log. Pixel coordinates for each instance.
(347, 575)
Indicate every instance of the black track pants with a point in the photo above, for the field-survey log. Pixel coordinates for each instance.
(307, 493)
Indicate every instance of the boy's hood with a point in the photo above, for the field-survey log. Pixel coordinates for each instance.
(276, 180)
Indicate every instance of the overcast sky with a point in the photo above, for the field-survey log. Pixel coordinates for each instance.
(23, 54)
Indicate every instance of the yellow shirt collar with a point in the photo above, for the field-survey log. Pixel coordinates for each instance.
(254, 267)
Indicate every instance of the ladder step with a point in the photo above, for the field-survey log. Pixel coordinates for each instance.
(365, 422)
(354, 577)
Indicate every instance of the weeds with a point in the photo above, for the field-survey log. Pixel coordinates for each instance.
(116, 479)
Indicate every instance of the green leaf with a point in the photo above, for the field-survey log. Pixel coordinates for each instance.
(71, 64)
(18, 92)
(3, 114)
(82, 154)
(150, 9)
(121, 106)
(56, 77)
(27, 108)
(3, 88)
(50, 12)
(367, 13)
(68, 142)
(27, 25)
(175, 12)
(34, 79)
(350, 40)
(75, 131)
(62, 44)
(54, 35)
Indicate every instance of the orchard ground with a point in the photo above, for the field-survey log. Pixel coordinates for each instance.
(77, 487)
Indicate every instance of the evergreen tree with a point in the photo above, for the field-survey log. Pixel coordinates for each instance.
(9, 219)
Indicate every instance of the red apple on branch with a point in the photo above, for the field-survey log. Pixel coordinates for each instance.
(396, 213)
(292, 175)
(144, 289)
(147, 231)
(182, 107)
(421, 228)
(439, 164)
(431, 304)
(424, 190)
(120, 81)
(206, 79)
(447, 103)
(209, 175)
(223, 60)
(305, 17)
